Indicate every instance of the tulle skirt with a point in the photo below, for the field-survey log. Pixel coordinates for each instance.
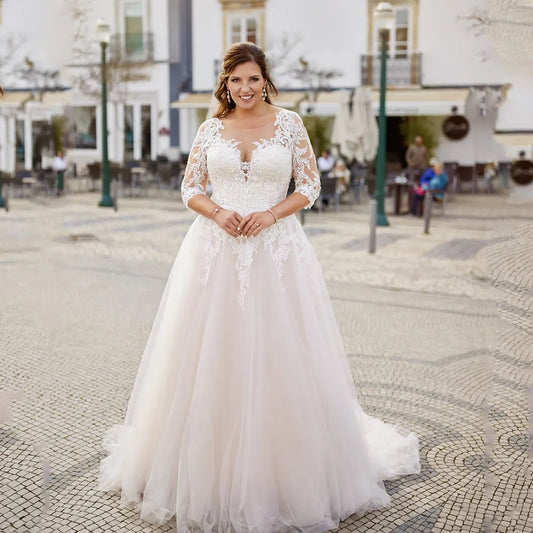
(243, 415)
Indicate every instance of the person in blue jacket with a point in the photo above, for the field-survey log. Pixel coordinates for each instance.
(429, 173)
(433, 181)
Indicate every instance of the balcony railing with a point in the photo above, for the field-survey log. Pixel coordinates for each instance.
(404, 69)
(134, 47)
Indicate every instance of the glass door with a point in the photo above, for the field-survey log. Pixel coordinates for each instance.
(398, 47)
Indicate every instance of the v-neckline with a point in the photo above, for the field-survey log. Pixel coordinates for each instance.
(262, 141)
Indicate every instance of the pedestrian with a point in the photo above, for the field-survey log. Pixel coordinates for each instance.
(325, 163)
(417, 157)
(243, 416)
(59, 165)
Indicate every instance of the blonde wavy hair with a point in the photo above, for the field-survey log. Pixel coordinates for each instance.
(236, 55)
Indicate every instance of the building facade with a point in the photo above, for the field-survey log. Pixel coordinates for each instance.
(439, 64)
(165, 55)
(52, 79)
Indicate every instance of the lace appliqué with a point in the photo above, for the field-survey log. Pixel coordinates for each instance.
(265, 182)
(305, 172)
(196, 175)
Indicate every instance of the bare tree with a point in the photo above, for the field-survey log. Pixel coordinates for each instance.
(120, 69)
(9, 47)
(314, 79)
(38, 79)
(509, 24)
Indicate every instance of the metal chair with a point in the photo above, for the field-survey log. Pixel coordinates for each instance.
(328, 191)
(465, 174)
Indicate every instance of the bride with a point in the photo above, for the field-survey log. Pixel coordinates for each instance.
(243, 416)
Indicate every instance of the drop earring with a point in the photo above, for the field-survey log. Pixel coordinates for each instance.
(228, 96)
(264, 92)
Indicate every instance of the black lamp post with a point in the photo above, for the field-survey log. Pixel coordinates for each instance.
(384, 21)
(104, 34)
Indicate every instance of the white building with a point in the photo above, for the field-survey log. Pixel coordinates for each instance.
(143, 56)
(165, 51)
(439, 65)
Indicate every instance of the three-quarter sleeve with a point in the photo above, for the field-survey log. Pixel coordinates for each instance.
(196, 176)
(304, 169)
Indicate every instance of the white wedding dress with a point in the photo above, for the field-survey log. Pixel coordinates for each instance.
(244, 415)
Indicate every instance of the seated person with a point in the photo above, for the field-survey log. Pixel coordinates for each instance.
(429, 173)
(341, 173)
(437, 183)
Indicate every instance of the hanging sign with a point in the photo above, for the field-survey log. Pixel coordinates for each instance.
(522, 172)
(455, 127)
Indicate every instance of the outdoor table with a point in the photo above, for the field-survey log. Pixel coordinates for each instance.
(400, 188)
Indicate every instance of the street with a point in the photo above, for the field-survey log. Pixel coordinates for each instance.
(437, 329)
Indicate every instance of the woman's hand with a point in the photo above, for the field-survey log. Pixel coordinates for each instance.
(229, 221)
(252, 224)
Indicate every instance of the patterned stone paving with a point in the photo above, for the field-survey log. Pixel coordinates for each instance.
(438, 342)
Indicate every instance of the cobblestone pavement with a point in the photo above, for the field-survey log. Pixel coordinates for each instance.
(437, 328)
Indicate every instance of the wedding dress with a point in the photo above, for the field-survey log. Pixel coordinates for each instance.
(243, 415)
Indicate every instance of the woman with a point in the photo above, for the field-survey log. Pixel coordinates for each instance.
(435, 181)
(243, 416)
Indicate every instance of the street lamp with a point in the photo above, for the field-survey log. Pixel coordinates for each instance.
(104, 35)
(384, 20)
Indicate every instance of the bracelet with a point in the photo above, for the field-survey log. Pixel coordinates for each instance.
(217, 209)
(273, 214)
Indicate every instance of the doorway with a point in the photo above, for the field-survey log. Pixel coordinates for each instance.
(396, 145)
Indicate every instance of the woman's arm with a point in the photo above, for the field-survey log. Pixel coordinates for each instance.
(194, 185)
(228, 220)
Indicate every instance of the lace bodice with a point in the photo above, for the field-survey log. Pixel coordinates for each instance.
(261, 182)
(248, 186)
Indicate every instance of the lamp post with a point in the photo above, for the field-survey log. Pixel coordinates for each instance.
(2, 204)
(384, 21)
(104, 34)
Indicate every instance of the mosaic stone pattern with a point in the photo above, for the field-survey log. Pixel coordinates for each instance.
(438, 337)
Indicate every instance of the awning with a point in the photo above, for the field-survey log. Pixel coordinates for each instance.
(402, 102)
(202, 100)
(15, 98)
(515, 142)
(57, 98)
(192, 101)
(47, 98)
(408, 102)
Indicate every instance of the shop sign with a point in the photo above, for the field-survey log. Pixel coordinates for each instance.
(522, 172)
(455, 127)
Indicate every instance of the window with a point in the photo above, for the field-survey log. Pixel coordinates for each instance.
(399, 38)
(80, 129)
(243, 28)
(19, 141)
(128, 132)
(401, 43)
(133, 28)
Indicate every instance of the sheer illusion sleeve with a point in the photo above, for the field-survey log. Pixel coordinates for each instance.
(196, 176)
(304, 169)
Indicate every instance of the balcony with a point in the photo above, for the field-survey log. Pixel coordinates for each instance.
(402, 70)
(132, 47)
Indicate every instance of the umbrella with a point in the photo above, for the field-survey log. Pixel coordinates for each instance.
(356, 132)
(364, 125)
(341, 127)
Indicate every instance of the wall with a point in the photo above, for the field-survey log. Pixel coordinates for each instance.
(331, 36)
(478, 145)
(35, 21)
(207, 42)
(453, 52)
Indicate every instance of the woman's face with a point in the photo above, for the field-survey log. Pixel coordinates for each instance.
(246, 84)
